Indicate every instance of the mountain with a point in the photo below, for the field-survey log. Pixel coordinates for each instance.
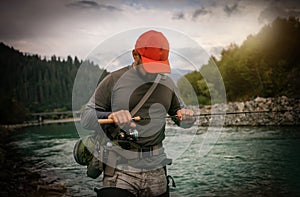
(177, 73)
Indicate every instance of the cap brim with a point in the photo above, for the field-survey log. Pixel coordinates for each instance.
(153, 66)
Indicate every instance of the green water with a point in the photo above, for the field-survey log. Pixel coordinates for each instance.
(244, 161)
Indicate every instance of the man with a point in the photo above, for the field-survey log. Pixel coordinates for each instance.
(140, 159)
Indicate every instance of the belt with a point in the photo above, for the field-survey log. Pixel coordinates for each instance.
(142, 153)
(149, 151)
(138, 153)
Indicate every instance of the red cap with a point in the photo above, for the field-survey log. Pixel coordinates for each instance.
(153, 47)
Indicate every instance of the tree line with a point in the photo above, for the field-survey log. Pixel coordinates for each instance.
(30, 83)
(266, 64)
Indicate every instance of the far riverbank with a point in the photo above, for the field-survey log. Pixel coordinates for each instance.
(36, 123)
(281, 111)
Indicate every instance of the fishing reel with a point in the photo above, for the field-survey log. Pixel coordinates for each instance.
(126, 138)
(130, 135)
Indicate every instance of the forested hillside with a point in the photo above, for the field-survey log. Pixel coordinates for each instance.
(266, 64)
(29, 83)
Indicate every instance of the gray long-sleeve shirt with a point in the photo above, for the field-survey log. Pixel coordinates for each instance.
(122, 90)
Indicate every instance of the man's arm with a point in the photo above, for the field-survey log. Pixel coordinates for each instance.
(182, 116)
(99, 105)
(89, 117)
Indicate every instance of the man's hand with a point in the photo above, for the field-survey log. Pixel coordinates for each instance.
(186, 117)
(122, 117)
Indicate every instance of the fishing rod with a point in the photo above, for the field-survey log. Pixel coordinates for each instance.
(138, 118)
(246, 112)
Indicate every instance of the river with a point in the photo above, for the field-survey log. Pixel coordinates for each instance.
(241, 161)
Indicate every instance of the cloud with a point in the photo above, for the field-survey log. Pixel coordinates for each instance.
(85, 4)
(200, 11)
(195, 14)
(279, 9)
(77, 26)
(229, 10)
(27, 19)
(178, 16)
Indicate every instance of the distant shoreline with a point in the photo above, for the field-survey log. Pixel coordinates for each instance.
(288, 117)
(37, 123)
(280, 111)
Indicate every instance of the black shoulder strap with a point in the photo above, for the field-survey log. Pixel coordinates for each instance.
(146, 96)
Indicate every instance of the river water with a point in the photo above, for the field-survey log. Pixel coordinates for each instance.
(242, 161)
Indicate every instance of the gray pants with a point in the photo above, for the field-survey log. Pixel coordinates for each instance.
(146, 183)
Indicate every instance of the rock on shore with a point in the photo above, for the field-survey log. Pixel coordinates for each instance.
(279, 111)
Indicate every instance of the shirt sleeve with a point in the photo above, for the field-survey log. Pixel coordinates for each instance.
(99, 106)
(182, 124)
(176, 104)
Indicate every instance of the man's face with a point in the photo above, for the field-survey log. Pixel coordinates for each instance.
(140, 68)
(144, 73)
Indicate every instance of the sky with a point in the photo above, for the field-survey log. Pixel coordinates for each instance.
(77, 27)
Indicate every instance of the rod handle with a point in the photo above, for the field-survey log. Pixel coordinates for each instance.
(110, 121)
(105, 121)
